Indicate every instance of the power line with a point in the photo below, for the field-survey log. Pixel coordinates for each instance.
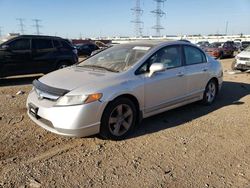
(158, 14)
(137, 21)
(37, 26)
(21, 25)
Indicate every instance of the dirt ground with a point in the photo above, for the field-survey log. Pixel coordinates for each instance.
(192, 146)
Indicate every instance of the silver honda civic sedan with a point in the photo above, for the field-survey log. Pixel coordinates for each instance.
(110, 92)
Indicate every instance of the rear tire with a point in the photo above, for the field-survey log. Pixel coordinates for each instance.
(210, 92)
(62, 65)
(118, 119)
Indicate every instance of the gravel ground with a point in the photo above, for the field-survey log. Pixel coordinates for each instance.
(192, 146)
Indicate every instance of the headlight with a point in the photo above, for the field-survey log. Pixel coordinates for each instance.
(68, 100)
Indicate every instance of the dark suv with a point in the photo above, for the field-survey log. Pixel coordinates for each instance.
(28, 54)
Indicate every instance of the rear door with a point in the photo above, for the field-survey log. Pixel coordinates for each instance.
(17, 58)
(43, 54)
(196, 68)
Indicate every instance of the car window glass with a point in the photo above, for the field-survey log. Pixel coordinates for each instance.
(169, 56)
(20, 44)
(65, 44)
(193, 55)
(56, 43)
(40, 44)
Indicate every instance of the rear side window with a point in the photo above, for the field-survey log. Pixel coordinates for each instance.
(41, 44)
(20, 44)
(56, 44)
(193, 55)
(66, 44)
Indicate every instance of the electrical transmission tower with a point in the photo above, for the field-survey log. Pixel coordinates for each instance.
(21, 25)
(37, 26)
(137, 11)
(158, 14)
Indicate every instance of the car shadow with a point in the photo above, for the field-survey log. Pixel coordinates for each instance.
(231, 94)
(15, 81)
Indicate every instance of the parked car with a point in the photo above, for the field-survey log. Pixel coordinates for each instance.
(245, 44)
(110, 92)
(86, 49)
(242, 60)
(220, 50)
(202, 44)
(238, 46)
(28, 54)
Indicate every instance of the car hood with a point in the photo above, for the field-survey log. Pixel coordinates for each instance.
(244, 54)
(74, 77)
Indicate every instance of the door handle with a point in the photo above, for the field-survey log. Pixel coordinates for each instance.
(180, 74)
(205, 69)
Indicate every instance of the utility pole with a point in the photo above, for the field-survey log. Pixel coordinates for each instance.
(226, 27)
(37, 26)
(137, 11)
(21, 25)
(1, 29)
(158, 14)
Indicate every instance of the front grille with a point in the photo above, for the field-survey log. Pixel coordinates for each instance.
(244, 59)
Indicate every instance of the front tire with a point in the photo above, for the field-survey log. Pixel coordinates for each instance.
(210, 93)
(118, 119)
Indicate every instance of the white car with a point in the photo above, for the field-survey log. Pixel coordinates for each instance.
(242, 60)
(110, 92)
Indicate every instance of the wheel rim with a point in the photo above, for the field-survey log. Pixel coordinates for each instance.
(211, 92)
(120, 120)
(62, 66)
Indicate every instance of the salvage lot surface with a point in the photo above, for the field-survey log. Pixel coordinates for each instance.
(192, 146)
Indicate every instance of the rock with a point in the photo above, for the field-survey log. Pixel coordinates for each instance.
(34, 183)
(20, 92)
(10, 96)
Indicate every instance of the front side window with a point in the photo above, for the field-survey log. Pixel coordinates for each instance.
(169, 56)
(41, 44)
(193, 55)
(20, 44)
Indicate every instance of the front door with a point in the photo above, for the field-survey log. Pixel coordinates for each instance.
(17, 57)
(168, 87)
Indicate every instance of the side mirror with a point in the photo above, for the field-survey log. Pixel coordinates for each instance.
(156, 67)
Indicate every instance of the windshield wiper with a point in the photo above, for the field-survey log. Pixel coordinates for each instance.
(99, 67)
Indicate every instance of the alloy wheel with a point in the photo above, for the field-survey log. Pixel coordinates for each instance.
(211, 92)
(120, 120)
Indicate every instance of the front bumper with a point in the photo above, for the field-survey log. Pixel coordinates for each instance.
(243, 65)
(75, 121)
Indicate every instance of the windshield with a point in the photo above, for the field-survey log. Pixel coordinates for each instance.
(117, 58)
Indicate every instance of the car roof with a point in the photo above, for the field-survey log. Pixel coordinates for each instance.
(154, 43)
(38, 36)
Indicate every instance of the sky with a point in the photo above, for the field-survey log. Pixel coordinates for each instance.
(93, 18)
